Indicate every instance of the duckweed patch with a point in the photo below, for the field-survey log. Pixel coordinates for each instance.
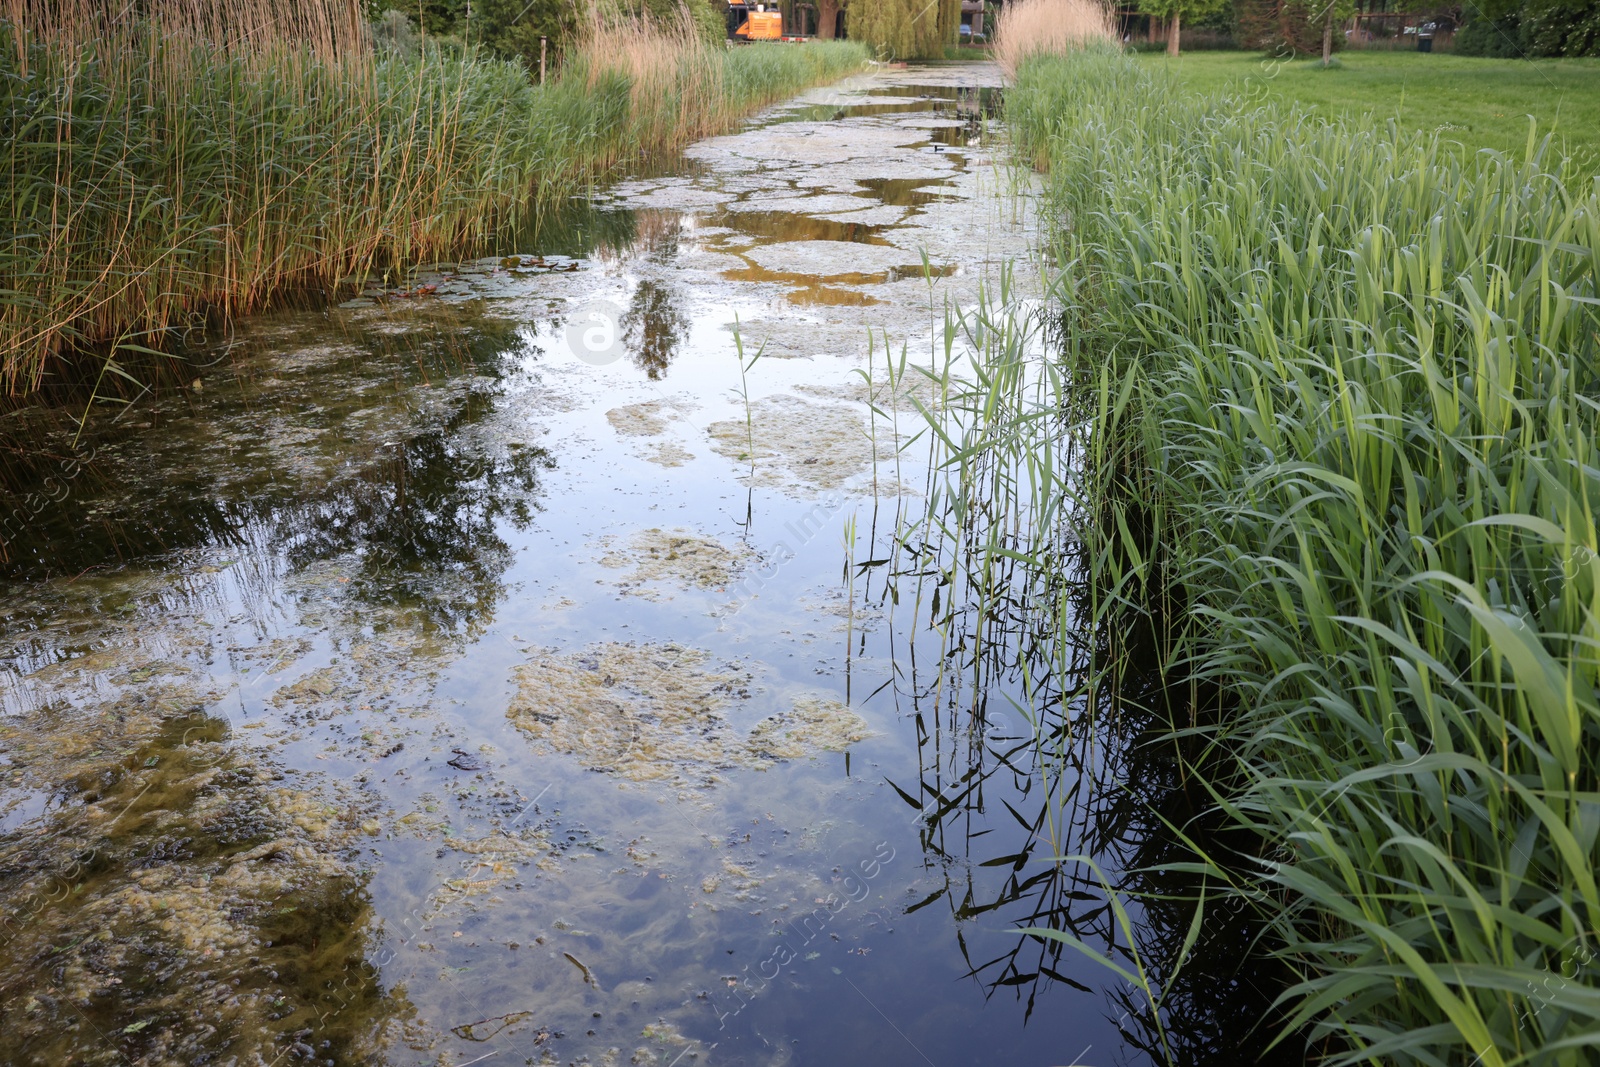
(181, 898)
(643, 712)
(648, 419)
(798, 443)
(669, 454)
(658, 712)
(677, 556)
(816, 723)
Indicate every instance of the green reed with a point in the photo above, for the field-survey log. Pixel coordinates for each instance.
(152, 179)
(1323, 401)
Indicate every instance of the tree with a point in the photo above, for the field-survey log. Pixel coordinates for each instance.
(515, 29)
(1528, 28)
(827, 17)
(433, 17)
(512, 28)
(906, 29)
(1174, 10)
(1330, 12)
(1283, 27)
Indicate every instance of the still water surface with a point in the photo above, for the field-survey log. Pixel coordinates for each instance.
(503, 675)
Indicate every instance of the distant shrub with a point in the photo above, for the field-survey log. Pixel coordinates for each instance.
(393, 32)
(1533, 29)
(1279, 27)
(1493, 38)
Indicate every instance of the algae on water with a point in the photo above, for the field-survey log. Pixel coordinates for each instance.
(188, 899)
(678, 556)
(799, 443)
(647, 419)
(651, 419)
(659, 712)
(642, 711)
(815, 723)
(668, 454)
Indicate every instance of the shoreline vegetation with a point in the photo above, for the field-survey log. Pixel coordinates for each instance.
(213, 154)
(1320, 408)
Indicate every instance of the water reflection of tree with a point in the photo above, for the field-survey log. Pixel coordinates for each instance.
(653, 328)
(1098, 778)
(423, 519)
(784, 226)
(657, 234)
(421, 515)
(619, 237)
(582, 228)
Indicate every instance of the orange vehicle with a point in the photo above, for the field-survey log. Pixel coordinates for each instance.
(752, 24)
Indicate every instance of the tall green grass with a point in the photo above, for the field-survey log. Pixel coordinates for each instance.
(150, 178)
(1333, 392)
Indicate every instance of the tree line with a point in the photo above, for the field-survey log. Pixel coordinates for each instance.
(1497, 28)
(527, 29)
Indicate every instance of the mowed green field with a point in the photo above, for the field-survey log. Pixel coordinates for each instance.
(1481, 103)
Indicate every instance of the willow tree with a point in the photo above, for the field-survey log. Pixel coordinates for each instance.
(904, 29)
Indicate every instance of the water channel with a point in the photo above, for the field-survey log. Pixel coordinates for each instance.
(495, 673)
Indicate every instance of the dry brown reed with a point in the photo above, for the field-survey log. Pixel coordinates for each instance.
(327, 27)
(209, 154)
(675, 79)
(1059, 27)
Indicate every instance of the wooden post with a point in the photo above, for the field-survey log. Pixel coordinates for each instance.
(542, 42)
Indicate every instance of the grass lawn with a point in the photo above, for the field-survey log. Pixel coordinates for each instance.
(1481, 103)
